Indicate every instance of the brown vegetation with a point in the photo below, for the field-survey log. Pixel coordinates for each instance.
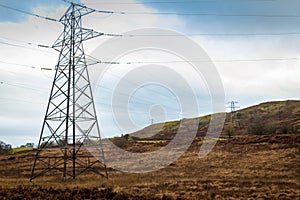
(280, 117)
(247, 167)
(252, 163)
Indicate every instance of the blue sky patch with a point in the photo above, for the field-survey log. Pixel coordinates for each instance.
(237, 23)
(8, 15)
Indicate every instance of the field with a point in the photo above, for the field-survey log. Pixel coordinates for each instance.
(243, 167)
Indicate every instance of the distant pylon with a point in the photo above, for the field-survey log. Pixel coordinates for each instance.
(233, 117)
(151, 121)
(70, 129)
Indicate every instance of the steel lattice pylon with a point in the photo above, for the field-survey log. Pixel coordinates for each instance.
(70, 129)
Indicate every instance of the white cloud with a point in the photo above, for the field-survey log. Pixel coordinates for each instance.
(247, 82)
(255, 81)
(27, 85)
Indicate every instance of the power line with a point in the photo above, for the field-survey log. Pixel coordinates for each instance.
(209, 14)
(14, 45)
(255, 60)
(165, 13)
(91, 9)
(99, 103)
(153, 13)
(163, 2)
(137, 98)
(21, 65)
(198, 14)
(19, 41)
(148, 35)
(27, 66)
(199, 61)
(39, 45)
(158, 62)
(201, 34)
(183, 14)
(27, 47)
(42, 90)
(135, 84)
(211, 34)
(151, 2)
(28, 13)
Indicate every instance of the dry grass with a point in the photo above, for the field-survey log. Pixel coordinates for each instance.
(248, 167)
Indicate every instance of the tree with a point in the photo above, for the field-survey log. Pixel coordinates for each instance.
(229, 130)
(29, 145)
(5, 148)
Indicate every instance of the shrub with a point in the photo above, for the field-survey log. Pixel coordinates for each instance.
(5, 148)
(120, 141)
(229, 130)
(256, 127)
(259, 126)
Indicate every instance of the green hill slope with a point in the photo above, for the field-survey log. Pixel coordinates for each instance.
(280, 117)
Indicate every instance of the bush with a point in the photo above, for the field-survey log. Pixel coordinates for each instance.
(120, 141)
(229, 130)
(5, 148)
(256, 127)
(259, 126)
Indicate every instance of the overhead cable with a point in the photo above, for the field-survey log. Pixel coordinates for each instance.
(28, 13)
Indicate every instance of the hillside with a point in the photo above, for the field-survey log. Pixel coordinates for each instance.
(247, 167)
(250, 165)
(280, 117)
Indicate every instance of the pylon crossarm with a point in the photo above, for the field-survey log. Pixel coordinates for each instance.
(89, 34)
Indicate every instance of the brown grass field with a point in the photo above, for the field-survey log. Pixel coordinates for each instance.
(243, 167)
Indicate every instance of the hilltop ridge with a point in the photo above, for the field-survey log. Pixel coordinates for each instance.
(277, 117)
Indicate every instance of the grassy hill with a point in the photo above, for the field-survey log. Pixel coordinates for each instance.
(280, 117)
(260, 162)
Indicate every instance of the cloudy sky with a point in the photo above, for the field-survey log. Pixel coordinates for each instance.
(254, 44)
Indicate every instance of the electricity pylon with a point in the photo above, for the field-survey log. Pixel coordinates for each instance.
(70, 129)
(233, 117)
